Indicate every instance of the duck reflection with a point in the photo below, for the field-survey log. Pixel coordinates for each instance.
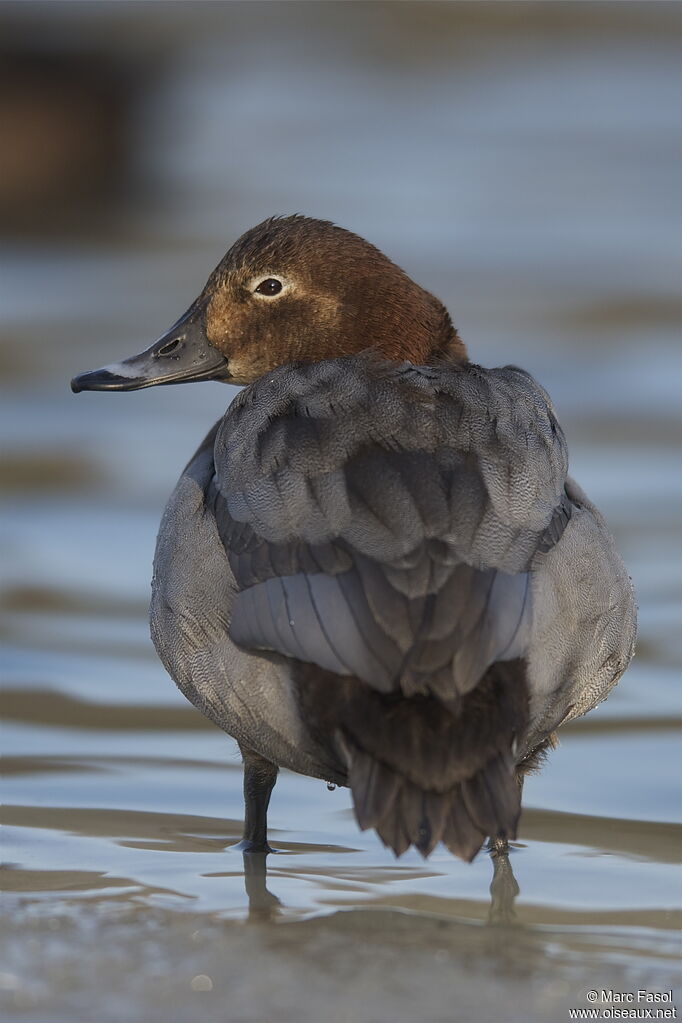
(503, 887)
(264, 906)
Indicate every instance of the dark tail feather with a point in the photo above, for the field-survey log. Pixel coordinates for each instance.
(461, 836)
(374, 787)
(424, 771)
(488, 803)
(492, 798)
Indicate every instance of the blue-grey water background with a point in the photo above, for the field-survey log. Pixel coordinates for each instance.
(521, 161)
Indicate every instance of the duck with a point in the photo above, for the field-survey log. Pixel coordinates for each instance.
(375, 570)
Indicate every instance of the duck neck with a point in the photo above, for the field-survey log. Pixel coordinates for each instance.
(445, 341)
(417, 329)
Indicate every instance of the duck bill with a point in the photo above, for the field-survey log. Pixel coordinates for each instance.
(181, 355)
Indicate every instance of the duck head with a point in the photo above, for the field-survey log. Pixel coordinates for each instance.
(291, 290)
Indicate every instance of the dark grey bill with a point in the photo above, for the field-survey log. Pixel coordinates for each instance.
(181, 355)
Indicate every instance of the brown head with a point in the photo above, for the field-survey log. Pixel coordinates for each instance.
(291, 290)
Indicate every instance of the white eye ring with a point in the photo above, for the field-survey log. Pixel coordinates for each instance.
(262, 287)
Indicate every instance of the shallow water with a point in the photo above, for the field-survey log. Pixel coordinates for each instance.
(528, 174)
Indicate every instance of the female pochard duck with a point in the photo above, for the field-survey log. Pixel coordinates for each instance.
(375, 569)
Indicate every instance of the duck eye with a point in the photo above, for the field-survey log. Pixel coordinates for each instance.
(270, 286)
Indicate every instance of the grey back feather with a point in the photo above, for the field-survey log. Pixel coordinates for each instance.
(381, 520)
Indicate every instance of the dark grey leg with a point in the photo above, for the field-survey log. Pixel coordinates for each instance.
(259, 780)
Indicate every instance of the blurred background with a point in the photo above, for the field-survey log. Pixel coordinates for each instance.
(523, 162)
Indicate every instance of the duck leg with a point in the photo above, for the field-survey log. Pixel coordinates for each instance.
(260, 776)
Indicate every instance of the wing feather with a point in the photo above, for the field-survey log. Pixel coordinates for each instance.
(381, 521)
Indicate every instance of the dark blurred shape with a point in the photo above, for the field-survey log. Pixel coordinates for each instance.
(65, 125)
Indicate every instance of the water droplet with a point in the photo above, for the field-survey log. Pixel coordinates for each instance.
(331, 786)
(201, 983)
